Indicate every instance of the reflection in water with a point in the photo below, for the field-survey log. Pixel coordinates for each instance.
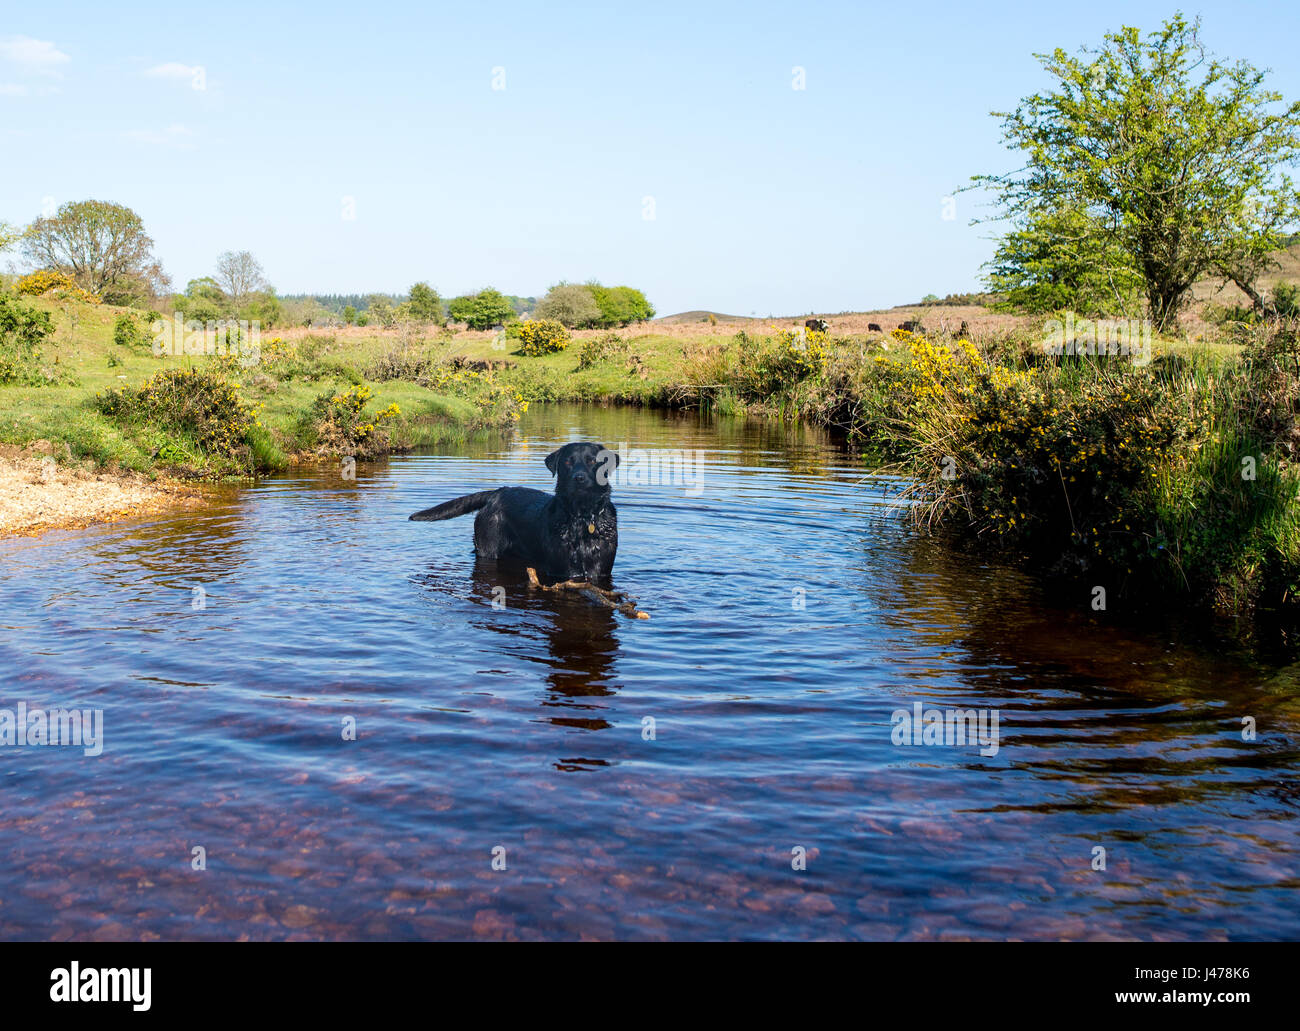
(792, 613)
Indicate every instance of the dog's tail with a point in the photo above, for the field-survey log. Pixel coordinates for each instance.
(455, 507)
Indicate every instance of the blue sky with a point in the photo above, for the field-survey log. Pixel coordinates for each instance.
(766, 199)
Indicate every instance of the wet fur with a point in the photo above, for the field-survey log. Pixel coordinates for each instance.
(549, 532)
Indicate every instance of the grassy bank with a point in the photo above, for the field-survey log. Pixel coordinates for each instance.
(1130, 480)
(94, 387)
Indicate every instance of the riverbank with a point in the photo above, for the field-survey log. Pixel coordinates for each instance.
(1167, 471)
(37, 494)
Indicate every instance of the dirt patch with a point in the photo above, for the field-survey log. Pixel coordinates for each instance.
(39, 494)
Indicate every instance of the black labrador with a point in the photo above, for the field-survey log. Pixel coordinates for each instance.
(569, 535)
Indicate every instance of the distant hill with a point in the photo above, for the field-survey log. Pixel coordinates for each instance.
(699, 315)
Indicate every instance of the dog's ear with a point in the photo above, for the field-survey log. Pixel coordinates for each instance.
(553, 460)
(604, 454)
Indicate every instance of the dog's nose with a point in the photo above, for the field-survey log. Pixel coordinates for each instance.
(581, 478)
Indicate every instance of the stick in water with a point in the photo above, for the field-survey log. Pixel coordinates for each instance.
(601, 596)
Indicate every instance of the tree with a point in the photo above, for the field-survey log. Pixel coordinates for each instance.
(264, 308)
(9, 235)
(380, 309)
(101, 245)
(1056, 261)
(349, 314)
(1177, 178)
(571, 304)
(240, 275)
(426, 305)
(482, 310)
(203, 300)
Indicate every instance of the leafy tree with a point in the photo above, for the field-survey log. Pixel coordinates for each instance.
(1057, 261)
(571, 304)
(203, 300)
(482, 310)
(1179, 178)
(426, 305)
(263, 307)
(380, 309)
(240, 275)
(102, 246)
(349, 314)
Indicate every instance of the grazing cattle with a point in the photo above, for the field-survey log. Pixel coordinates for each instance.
(874, 327)
(817, 325)
(911, 326)
(964, 331)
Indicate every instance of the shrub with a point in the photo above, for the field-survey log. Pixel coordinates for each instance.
(338, 423)
(23, 329)
(542, 336)
(600, 348)
(129, 332)
(570, 304)
(42, 281)
(482, 310)
(198, 403)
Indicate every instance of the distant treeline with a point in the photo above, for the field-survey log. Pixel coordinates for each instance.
(336, 303)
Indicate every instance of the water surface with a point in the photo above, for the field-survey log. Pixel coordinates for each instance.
(639, 779)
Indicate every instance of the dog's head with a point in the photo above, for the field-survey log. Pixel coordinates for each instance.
(582, 470)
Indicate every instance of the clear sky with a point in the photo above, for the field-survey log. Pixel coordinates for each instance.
(262, 126)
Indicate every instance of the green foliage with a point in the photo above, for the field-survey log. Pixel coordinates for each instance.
(23, 331)
(591, 305)
(620, 305)
(197, 403)
(349, 314)
(382, 311)
(570, 304)
(425, 304)
(263, 307)
(482, 310)
(1155, 176)
(338, 424)
(203, 301)
(542, 336)
(1058, 261)
(129, 331)
(601, 348)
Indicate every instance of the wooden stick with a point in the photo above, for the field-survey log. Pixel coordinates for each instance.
(610, 599)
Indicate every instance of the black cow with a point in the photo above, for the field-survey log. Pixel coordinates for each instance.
(817, 325)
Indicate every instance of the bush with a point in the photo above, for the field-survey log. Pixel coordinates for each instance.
(482, 310)
(197, 403)
(23, 329)
(591, 305)
(42, 281)
(600, 348)
(570, 304)
(338, 424)
(51, 281)
(129, 332)
(542, 336)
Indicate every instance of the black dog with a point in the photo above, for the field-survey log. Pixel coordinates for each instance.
(571, 535)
